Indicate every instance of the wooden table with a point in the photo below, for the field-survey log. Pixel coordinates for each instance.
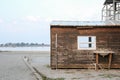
(103, 53)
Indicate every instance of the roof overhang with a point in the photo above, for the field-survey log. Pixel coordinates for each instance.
(110, 1)
(85, 23)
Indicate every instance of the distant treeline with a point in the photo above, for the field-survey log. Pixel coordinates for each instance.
(22, 44)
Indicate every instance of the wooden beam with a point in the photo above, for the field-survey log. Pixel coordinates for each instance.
(83, 66)
(110, 59)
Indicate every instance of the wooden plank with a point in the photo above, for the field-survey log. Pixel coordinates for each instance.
(84, 66)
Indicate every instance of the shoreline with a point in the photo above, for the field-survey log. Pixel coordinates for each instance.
(25, 52)
(25, 49)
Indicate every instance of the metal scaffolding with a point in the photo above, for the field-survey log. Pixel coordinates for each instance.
(111, 10)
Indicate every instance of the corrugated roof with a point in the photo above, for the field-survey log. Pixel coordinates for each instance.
(84, 23)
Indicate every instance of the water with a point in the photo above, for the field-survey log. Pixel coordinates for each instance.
(24, 48)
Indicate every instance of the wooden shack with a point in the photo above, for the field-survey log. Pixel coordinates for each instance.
(76, 44)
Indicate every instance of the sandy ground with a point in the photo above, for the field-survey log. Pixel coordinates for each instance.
(12, 67)
(42, 63)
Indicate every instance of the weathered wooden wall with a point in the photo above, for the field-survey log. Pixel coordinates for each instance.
(67, 54)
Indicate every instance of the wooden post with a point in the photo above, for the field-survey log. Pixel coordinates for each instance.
(97, 61)
(110, 59)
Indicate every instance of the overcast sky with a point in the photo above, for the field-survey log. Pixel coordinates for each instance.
(29, 20)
